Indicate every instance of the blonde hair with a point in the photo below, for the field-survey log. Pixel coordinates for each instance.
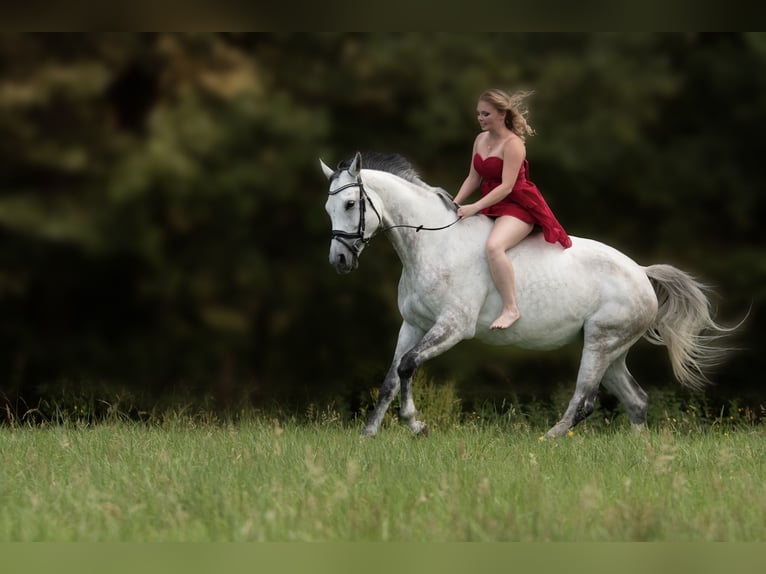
(513, 104)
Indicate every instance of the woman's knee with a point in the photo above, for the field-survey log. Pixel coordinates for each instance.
(494, 245)
(499, 242)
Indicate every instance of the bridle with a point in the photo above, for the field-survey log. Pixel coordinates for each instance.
(358, 237)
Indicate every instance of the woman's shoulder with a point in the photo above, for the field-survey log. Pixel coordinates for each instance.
(478, 141)
(514, 145)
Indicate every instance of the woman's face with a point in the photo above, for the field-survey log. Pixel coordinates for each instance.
(489, 116)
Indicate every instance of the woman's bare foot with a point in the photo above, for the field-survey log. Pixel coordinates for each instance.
(506, 319)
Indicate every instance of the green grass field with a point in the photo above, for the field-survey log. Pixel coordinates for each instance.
(477, 477)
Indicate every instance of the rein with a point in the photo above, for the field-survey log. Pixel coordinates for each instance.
(358, 236)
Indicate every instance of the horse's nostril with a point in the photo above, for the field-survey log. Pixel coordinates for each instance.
(342, 259)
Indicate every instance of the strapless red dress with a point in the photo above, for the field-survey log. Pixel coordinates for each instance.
(525, 201)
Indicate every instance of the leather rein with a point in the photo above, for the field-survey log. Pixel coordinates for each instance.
(358, 236)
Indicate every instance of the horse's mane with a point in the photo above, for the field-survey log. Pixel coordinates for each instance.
(396, 164)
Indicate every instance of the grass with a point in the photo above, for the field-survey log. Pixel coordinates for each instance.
(484, 476)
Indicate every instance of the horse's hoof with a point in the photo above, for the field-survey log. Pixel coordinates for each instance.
(557, 431)
(367, 433)
(419, 429)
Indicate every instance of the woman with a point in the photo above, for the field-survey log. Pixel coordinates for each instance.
(500, 168)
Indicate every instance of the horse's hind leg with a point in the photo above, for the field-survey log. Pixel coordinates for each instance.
(592, 367)
(621, 384)
(601, 348)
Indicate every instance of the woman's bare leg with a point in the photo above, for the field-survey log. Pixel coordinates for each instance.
(506, 232)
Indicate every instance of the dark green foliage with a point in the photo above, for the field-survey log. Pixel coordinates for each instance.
(161, 205)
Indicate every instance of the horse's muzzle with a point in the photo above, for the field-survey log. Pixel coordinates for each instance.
(343, 256)
(344, 265)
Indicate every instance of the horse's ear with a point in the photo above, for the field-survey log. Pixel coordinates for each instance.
(356, 165)
(326, 169)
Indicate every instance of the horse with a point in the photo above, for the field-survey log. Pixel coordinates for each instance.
(446, 294)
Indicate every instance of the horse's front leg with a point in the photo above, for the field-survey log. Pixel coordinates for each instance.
(439, 339)
(409, 336)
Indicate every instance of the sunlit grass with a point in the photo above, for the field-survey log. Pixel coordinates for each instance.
(479, 476)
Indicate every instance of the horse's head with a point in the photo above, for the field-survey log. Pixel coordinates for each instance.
(354, 216)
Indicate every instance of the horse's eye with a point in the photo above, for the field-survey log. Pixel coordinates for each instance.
(349, 204)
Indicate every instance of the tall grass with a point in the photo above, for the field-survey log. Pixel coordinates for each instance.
(481, 475)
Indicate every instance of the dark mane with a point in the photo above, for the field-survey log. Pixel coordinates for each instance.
(395, 164)
(390, 162)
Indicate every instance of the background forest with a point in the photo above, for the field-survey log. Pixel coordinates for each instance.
(162, 229)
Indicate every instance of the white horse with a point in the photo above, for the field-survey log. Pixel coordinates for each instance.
(446, 293)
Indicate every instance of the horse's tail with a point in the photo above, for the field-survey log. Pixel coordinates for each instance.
(684, 325)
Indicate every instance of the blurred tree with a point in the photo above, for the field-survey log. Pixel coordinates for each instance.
(161, 220)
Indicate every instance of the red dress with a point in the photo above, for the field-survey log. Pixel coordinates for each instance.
(525, 201)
